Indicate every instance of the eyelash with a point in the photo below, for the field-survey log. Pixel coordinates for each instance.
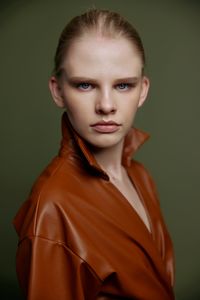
(81, 84)
(128, 86)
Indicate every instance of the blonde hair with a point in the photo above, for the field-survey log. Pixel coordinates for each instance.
(103, 22)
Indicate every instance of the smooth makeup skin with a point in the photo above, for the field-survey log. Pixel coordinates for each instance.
(101, 87)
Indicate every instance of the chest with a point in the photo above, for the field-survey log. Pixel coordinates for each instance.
(127, 189)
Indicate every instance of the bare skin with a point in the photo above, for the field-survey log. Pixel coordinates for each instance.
(125, 186)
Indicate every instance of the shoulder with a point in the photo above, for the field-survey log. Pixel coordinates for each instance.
(44, 206)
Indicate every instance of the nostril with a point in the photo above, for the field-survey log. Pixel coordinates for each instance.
(104, 107)
(107, 110)
(113, 110)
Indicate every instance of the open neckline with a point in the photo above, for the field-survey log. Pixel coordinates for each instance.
(140, 197)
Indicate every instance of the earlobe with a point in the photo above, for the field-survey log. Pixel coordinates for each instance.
(144, 90)
(56, 92)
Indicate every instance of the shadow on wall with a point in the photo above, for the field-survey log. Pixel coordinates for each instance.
(9, 290)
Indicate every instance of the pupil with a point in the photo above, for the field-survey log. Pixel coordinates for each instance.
(85, 85)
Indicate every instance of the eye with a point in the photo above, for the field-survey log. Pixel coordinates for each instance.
(84, 86)
(123, 86)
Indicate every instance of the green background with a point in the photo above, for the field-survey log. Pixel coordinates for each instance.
(30, 122)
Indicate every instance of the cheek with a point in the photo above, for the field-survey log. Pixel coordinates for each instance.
(77, 105)
(130, 108)
(129, 112)
(77, 113)
(71, 104)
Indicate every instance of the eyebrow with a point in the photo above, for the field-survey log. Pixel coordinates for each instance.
(87, 79)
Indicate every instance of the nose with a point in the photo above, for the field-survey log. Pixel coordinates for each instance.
(105, 103)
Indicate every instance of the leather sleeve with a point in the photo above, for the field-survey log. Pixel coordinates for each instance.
(49, 270)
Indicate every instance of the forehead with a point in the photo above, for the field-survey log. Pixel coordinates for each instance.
(95, 56)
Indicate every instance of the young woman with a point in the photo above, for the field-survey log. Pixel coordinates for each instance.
(92, 227)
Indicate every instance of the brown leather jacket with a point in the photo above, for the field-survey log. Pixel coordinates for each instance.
(79, 238)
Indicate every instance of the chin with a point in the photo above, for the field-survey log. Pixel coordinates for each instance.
(105, 141)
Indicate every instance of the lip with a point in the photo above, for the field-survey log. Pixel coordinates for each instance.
(106, 127)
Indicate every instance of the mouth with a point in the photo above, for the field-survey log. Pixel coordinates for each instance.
(106, 127)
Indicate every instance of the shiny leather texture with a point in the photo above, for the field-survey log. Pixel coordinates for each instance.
(80, 239)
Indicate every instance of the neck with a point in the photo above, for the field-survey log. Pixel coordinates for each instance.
(110, 159)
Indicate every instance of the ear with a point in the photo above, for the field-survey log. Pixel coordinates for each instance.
(144, 90)
(56, 92)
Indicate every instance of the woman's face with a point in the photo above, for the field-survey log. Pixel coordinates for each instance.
(101, 88)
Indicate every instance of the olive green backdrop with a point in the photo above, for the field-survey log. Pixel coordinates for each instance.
(30, 123)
